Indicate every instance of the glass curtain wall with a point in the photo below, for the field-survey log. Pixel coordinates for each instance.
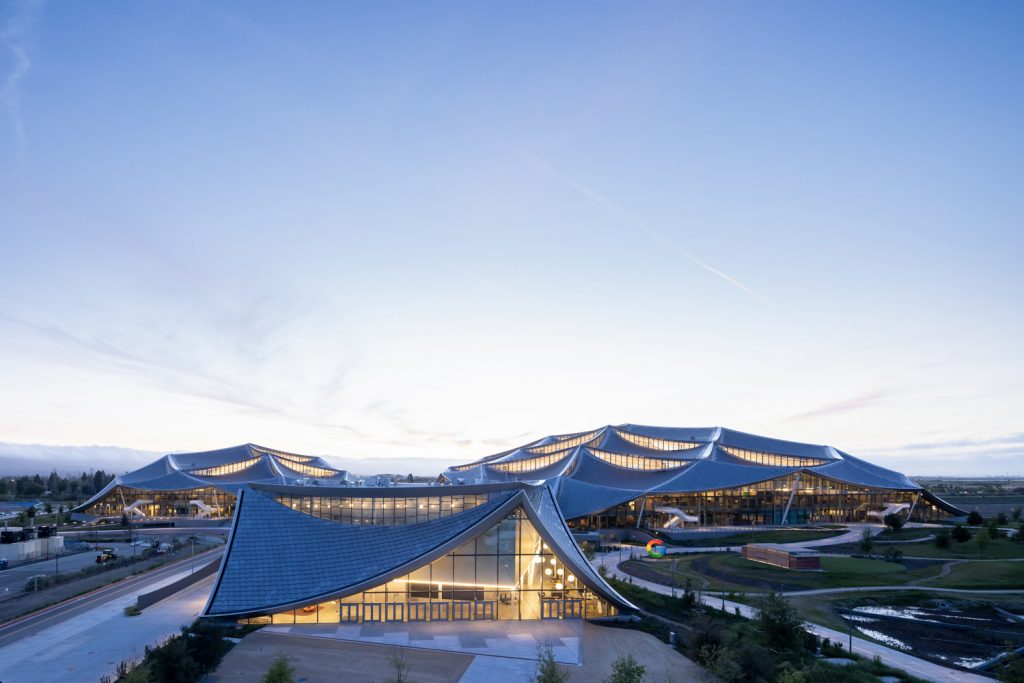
(165, 503)
(382, 510)
(815, 499)
(507, 572)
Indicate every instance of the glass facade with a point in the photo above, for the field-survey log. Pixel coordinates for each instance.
(383, 511)
(507, 572)
(815, 499)
(229, 468)
(164, 503)
(638, 462)
(566, 442)
(773, 459)
(308, 470)
(657, 444)
(530, 464)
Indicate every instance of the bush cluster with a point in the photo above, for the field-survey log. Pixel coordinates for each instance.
(184, 658)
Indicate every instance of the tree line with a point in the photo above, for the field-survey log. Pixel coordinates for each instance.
(54, 486)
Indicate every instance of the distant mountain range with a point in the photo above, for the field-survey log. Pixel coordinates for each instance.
(17, 459)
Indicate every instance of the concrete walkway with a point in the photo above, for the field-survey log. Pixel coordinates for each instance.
(894, 658)
(90, 645)
(365, 661)
(510, 639)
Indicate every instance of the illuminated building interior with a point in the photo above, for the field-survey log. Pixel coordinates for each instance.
(507, 572)
(506, 556)
(203, 484)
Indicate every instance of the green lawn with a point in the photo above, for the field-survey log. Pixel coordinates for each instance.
(998, 549)
(771, 536)
(730, 572)
(994, 575)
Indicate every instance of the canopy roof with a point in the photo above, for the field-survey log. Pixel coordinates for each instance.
(315, 559)
(597, 469)
(226, 469)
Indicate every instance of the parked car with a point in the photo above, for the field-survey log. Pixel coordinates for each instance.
(3, 564)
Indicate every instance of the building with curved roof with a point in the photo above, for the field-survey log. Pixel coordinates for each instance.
(203, 484)
(300, 554)
(663, 477)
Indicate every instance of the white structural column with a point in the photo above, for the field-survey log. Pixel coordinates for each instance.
(796, 485)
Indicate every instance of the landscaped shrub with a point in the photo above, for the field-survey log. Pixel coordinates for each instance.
(894, 521)
(780, 624)
(942, 538)
(893, 555)
(961, 534)
(281, 671)
(625, 669)
(975, 518)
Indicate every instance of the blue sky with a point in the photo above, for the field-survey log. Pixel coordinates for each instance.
(436, 230)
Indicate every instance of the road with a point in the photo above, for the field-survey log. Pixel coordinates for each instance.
(894, 658)
(86, 637)
(33, 623)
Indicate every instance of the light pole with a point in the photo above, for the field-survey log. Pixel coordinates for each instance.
(192, 541)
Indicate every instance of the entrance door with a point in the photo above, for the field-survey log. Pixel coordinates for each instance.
(439, 611)
(572, 609)
(394, 611)
(373, 611)
(418, 611)
(462, 610)
(350, 611)
(550, 609)
(484, 610)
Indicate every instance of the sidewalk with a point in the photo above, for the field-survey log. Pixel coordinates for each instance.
(889, 656)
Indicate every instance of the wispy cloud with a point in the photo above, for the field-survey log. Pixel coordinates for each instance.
(628, 218)
(16, 27)
(473, 276)
(854, 403)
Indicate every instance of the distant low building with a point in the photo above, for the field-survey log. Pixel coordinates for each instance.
(782, 556)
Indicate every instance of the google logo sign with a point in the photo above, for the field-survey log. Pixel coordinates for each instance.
(655, 548)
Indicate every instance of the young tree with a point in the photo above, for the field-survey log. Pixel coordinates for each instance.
(1002, 519)
(1015, 514)
(867, 541)
(894, 521)
(780, 623)
(625, 669)
(547, 668)
(401, 666)
(281, 671)
(975, 518)
(982, 540)
(942, 538)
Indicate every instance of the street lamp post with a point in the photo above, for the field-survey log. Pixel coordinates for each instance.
(192, 541)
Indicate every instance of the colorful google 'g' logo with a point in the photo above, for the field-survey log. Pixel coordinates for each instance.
(655, 548)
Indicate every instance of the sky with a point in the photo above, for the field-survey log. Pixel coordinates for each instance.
(438, 230)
